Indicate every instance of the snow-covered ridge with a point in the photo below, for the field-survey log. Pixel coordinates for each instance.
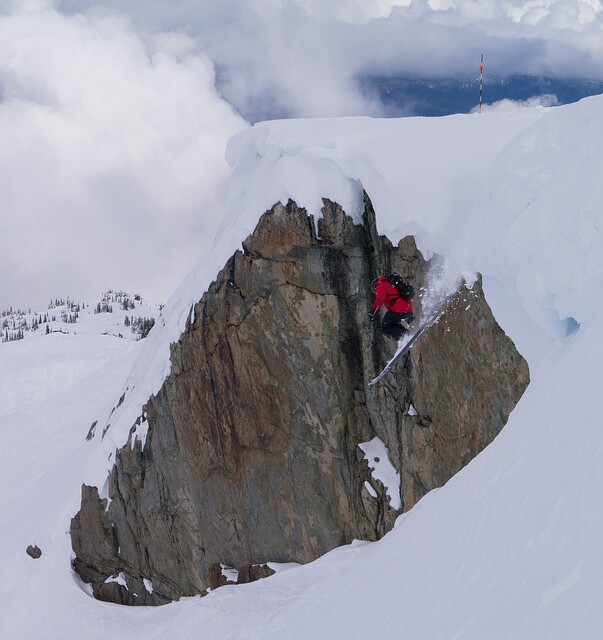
(115, 313)
(45, 353)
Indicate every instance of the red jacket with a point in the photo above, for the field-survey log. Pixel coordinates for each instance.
(386, 295)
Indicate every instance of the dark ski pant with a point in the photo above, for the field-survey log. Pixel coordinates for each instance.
(390, 325)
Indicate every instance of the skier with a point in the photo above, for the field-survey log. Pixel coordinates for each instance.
(396, 296)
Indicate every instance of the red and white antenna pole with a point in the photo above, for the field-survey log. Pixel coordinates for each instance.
(481, 82)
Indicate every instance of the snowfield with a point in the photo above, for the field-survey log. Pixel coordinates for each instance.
(510, 547)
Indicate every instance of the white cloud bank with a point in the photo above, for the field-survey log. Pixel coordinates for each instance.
(545, 100)
(112, 158)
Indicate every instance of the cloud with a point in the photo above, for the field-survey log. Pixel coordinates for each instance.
(112, 158)
(545, 100)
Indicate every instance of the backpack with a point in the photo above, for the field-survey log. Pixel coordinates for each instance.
(405, 290)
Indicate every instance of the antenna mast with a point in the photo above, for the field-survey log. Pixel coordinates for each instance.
(481, 81)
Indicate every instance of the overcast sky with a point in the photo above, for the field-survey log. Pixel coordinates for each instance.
(113, 131)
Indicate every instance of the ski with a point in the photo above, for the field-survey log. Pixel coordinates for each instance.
(407, 343)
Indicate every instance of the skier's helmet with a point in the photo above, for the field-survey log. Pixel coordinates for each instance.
(395, 279)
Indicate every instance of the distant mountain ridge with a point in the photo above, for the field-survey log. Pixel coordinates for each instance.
(115, 313)
(399, 96)
(445, 96)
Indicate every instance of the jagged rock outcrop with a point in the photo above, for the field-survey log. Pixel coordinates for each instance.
(252, 453)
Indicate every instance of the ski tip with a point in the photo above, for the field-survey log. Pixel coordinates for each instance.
(378, 378)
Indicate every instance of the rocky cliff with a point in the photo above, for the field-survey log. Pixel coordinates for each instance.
(252, 451)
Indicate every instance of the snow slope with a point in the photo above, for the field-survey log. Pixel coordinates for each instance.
(510, 547)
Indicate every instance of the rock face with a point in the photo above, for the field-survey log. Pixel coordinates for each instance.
(252, 448)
